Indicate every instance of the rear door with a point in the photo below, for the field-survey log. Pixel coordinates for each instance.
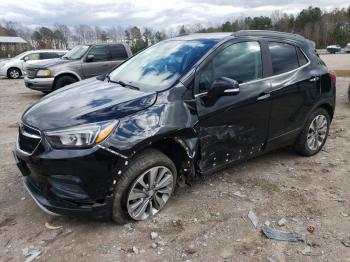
(294, 89)
(99, 65)
(233, 127)
(117, 54)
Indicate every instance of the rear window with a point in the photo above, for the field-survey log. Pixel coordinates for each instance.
(301, 57)
(284, 57)
(117, 52)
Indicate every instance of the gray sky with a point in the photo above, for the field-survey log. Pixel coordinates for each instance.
(162, 14)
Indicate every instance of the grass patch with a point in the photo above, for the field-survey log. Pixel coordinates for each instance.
(342, 72)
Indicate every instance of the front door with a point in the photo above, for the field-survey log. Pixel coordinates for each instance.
(100, 63)
(233, 127)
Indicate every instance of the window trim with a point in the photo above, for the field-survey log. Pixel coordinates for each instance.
(217, 50)
(263, 63)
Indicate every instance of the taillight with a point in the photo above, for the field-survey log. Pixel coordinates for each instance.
(333, 76)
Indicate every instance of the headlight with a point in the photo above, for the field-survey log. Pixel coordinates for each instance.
(43, 73)
(80, 136)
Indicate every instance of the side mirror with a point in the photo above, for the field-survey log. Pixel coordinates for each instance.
(223, 86)
(26, 58)
(90, 58)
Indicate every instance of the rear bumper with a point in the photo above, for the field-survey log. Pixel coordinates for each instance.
(40, 84)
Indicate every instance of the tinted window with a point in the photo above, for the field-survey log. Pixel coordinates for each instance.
(284, 57)
(241, 62)
(117, 52)
(159, 66)
(99, 53)
(48, 55)
(302, 59)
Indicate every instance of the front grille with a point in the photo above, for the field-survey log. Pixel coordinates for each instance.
(31, 72)
(28, 138)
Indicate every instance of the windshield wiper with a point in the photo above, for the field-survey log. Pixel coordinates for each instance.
(120, 82)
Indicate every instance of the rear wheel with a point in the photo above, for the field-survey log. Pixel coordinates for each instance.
(62, 81)
(314, 135)
(144, 188)
(14, 73)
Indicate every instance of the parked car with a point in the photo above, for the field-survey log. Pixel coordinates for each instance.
(81, 62)
(333, 49)
(116, 146)
(347, 48)
(14, 67)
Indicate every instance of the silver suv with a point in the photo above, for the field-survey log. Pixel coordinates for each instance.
(83, 61)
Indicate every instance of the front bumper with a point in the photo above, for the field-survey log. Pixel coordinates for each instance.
(3, 71)
(69, 183)
(40, 84)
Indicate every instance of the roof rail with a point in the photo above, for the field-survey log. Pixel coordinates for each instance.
(267, 34)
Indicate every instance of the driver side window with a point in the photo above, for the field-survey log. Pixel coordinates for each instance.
(33, 56)
(241, 62)
(99, 53)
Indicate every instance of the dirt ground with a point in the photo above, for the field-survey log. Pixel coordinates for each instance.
(204, 222)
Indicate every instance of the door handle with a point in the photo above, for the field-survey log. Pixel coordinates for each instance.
(314, 79)
(263, 96)
(105, 65)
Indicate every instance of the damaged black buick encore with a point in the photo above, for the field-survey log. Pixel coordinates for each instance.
(117, 145)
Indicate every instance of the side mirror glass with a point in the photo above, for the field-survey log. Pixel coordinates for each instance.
(26, 58)
(90, 58)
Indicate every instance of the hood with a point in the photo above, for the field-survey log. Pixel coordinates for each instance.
(87, 101)
(47, 63)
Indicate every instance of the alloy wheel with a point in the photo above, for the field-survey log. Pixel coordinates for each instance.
(150, 192)
(317, 132)
(14, 73)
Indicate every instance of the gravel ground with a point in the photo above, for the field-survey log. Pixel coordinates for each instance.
(205, 222)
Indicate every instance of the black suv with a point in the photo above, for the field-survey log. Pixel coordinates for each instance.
(116, 145)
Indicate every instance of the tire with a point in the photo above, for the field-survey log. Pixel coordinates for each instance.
(308, 144)
(62, 81)
(14, 73)
(128, 182)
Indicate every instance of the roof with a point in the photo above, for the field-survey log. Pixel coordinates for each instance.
(199, 36)
(12, 39)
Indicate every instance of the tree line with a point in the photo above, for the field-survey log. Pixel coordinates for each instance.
(323, 27)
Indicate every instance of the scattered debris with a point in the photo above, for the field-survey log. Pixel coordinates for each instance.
(30, 254)
(240, 194)
(154, 235)
(282, 222)
(191, 249)
(23, 198)
(280, 235)
(253, 218)
(267, 223)
(48, 226)
(154, 245)
(311, 228)
(135, 250)
(272, 259)
(346, 242)
(306, 251)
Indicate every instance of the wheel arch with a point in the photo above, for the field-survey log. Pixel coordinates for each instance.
(14, 67)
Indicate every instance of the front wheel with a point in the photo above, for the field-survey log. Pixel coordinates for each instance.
(144, 188)
(315, 132)
(14, 73)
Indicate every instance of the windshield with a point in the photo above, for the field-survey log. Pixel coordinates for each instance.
(76, 53)
(21, 55)
(159, 66)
